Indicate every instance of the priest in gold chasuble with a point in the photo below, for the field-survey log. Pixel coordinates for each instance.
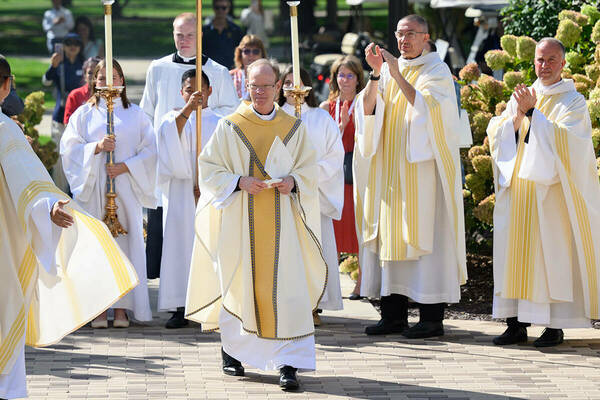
(408, 191)
(547, 212)
(257, 269)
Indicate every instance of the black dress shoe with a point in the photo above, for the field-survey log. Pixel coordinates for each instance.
(550, 337)
(424, 329)
(385, 327)
(287, 378)
(231, 366)
(177, 320)
(355, 296)
(512, 335)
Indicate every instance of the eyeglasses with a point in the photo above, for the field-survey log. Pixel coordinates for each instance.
(407, 34)
(262, 88)
(247, 52)
(345, 76)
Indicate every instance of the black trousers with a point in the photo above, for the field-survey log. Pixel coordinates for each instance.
(513, 321)
(395, 308)
(154, 241)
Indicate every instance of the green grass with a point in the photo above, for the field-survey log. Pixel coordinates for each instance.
(28, 78)
(145, 30)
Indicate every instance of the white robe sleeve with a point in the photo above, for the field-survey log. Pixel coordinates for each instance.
(45, 234)
(142, 166)
(226, 100)
(539, 160)
(217, 182)
(173, 151)
(419, 147)
(80, 163)
(148, 102)
(331, 171)
(503, 148)
(368, 127)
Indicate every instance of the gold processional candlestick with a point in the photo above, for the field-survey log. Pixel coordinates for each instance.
(298, 92)
(109, 93)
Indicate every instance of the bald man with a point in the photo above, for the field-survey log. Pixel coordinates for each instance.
(547, 216)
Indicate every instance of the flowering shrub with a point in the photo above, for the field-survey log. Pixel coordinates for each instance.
(483, 96)
(32, 116)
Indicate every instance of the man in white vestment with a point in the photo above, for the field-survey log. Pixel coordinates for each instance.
(176, 175)
(547, 212)
(257, 269)
(162, 95)
(49, 248)
(327, 140)
(407, 173)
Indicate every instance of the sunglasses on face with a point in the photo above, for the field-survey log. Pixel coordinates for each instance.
(346, 76)
(247, 52)
(71, 44)
(221, 8)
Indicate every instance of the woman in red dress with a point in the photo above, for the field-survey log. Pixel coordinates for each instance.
(346, 81)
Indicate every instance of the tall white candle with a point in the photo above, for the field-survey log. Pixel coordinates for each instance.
(295, 47)
(108, 41)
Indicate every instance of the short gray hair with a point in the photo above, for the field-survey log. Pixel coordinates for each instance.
(263, 61)
(418, 19)
(553, 41)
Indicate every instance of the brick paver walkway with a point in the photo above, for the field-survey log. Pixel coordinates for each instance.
(150, 362)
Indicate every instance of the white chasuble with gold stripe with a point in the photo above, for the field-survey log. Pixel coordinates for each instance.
(257, 256)
(547, 213)
(84, 271)
(406, 154)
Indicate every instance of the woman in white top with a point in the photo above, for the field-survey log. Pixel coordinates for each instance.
(327, 140)
(250, 49)
(92, 47)
(83, 149)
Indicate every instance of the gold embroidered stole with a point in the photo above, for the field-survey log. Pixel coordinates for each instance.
(524, 235)
(392, 246)
(263, 210)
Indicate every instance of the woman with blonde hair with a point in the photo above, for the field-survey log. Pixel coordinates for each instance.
(346, 81)
(250, 49)
(83, 150)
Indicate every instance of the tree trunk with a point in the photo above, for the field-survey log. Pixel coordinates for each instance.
(332, 10)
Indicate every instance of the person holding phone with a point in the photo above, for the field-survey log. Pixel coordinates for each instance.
(65, 73)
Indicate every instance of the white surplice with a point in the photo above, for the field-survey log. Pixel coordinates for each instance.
(423, 139)
(162, 92)
(557, 163)
(176, 172)
(325, 137)
(86, 172)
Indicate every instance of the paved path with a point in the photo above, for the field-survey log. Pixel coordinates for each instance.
(151, 362)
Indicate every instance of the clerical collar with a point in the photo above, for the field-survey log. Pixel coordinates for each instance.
(266, 117)
(424, 58)
(551, 86)
(177, 58)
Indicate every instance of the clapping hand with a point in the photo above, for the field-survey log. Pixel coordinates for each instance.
(344, 115)
(525, 98)
(375, 61)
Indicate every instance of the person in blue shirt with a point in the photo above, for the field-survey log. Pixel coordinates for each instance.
(221, 36)
(65, 73)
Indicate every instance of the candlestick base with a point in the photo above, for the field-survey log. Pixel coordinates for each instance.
(298, 94)
(110, 219)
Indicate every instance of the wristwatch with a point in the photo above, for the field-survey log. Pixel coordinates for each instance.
(372, 77)
(529, 112)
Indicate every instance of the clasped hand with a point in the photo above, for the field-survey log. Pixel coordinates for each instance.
(255, 186)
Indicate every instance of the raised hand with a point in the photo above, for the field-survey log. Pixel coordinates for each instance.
(59, 216)
(525, 98)
(375, 60)
(392, 63)
(344, 115)
(56, 59)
